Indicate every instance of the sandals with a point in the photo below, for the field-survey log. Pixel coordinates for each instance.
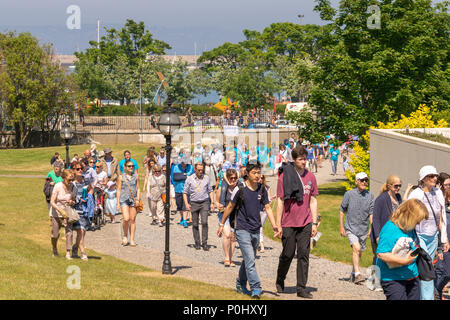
(124, 241)
(133, 244)
(232, 264)
(227, 263)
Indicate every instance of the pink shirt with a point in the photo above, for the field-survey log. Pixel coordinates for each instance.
(298, 215)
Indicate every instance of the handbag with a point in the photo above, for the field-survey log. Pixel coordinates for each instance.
(139, 205)
(437, 225)
(70, 214)
(425, 265)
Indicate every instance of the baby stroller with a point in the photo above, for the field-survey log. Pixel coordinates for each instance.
(99, 212)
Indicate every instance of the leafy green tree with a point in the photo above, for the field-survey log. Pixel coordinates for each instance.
(119, 58)
(33, 88)
(363, 70)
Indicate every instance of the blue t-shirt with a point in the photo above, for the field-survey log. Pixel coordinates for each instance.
(389, 236)
(122, 164)
(334, 153)
(310, 154)
(252, 207)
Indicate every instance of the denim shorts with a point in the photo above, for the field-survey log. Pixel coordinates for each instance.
(84, 222)
(127, 203)
(220, 216)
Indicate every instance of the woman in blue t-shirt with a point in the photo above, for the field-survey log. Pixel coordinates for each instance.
(334, 154)
(398, 269)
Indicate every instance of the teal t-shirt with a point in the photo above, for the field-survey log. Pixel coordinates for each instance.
(389, 236)
(334, 153)
(54, 177)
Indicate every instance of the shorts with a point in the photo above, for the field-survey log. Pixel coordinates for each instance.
(84, 222)
(180, 202)
(126, 203)
(220, 216)
(357, 239)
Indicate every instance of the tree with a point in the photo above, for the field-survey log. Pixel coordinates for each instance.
(33, 88)
(118, 59)
(361, 71)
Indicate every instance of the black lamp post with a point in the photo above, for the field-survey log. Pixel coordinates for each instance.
(167, 124)
(66, 134)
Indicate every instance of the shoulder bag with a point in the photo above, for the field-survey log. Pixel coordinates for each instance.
(437, 225)
(425, 265)
(139, 205)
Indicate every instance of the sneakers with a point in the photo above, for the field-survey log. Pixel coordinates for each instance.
(243, 290)
(185, 224)
(68, 255)
(280, 286)
(55, 253)
(359, 279)
(256, 294)
(304, 294)
(84, 256)
(74, 252)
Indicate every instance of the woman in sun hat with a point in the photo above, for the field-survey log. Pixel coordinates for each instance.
(428, 230)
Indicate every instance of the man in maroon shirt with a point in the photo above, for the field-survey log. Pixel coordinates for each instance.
(298, 221)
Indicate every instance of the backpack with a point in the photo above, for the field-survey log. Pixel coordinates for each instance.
(48, 189)
(239, 202)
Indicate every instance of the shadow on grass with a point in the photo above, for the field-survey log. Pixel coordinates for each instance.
(176, 269)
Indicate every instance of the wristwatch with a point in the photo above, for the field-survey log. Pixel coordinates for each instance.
(221, 224)
(315, 223)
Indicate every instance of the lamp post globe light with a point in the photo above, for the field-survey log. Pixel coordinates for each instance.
(66, 134)
(168, 123)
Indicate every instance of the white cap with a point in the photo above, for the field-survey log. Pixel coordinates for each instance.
(361, 175)
(426, 170)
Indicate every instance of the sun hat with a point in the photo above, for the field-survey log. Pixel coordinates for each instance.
(361, 175)
(107, 150)
(426, 170)
(110, 184)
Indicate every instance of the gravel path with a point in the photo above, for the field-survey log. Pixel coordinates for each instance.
(327, 279)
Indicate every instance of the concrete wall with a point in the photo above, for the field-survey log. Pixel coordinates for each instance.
(394, 153)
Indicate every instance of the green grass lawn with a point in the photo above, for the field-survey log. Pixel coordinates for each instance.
(331, 245)
(28, 271)
(36, 161)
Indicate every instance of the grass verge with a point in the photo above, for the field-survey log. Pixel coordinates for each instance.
(28, 271)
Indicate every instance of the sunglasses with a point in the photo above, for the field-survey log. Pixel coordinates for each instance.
(78, 169)
(364, 180)
(397, 186)
(431, 176)
(91, 161)
(233, 178)
(132, 166)
(157, 171)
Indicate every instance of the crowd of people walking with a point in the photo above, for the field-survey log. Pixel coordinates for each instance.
(230, 181)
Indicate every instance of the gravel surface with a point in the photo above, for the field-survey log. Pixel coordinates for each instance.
(327, 279)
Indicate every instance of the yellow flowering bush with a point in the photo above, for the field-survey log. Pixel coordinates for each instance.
(360, 160)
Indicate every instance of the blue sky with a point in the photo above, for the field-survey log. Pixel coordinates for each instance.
(239, 14)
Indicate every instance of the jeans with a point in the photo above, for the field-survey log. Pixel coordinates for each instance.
(429, 244)
(248, 242)
(334, 164)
